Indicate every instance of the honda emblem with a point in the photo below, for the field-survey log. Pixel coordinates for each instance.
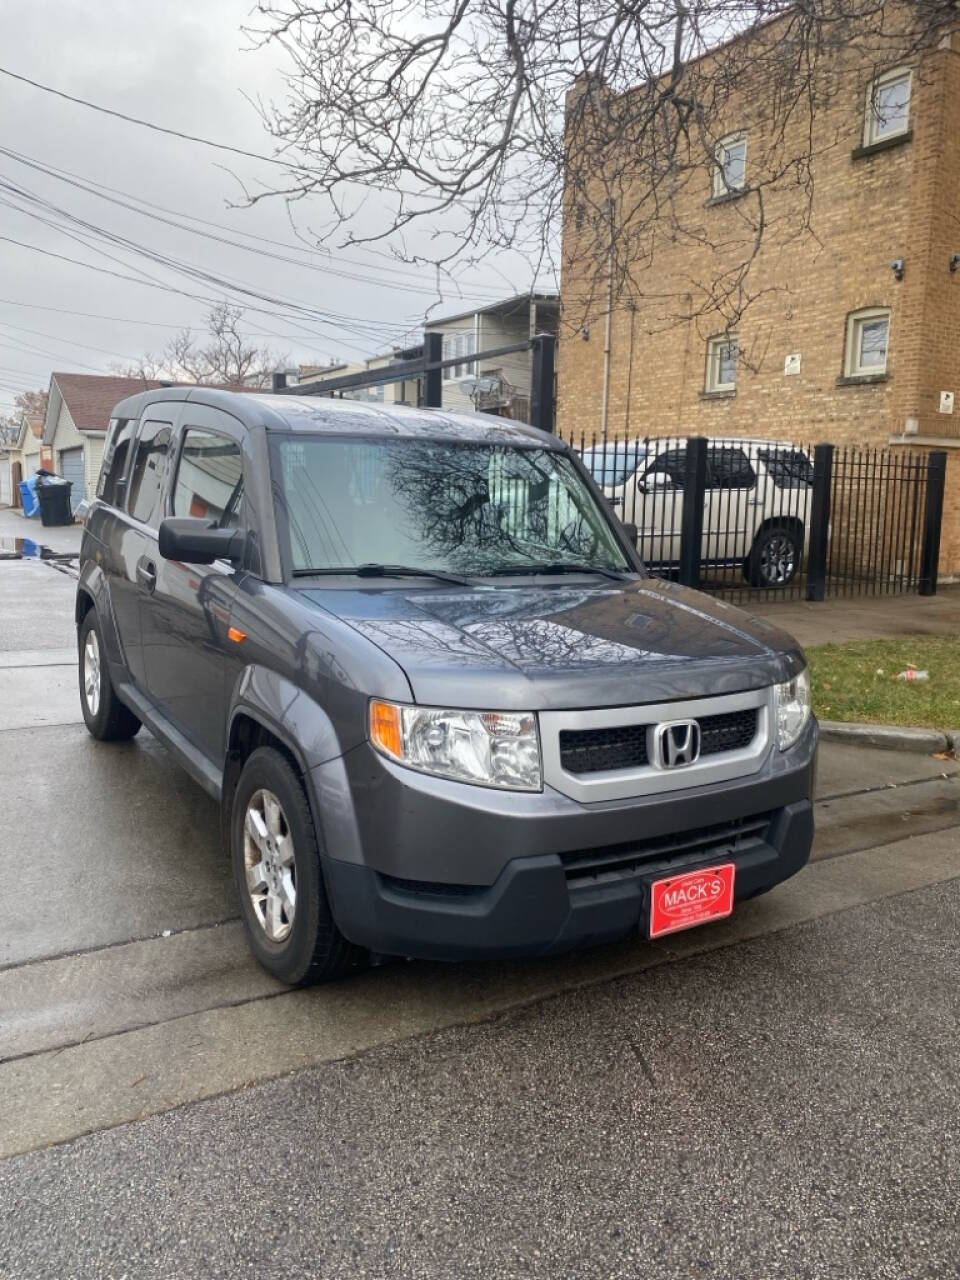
(677, 744)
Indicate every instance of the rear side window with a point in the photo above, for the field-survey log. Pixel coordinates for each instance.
(115, 457)
(209, 479)
(729, 469)
(788, 468)
(143, 501)
(673, 464)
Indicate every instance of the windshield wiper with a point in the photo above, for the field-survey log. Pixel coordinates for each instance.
(384, 571)
(559, 566)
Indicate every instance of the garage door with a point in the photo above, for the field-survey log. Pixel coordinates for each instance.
(71, 468)
(6, 493)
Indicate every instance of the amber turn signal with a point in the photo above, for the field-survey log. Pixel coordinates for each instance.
(236, 635)
(386, 730)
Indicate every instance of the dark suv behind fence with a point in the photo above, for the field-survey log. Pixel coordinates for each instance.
(417, 661)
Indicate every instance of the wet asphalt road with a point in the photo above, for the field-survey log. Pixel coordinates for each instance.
(775, 1096)
(789, 1107)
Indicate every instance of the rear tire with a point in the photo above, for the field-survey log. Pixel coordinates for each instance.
(104, 714)
(774, 559)
(276, 869)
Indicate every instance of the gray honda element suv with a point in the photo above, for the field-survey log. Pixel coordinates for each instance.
(415, 658)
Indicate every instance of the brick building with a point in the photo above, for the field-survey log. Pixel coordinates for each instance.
(852, 333)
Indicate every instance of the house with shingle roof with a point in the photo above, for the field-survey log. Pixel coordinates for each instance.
(79, 407)
(78, 415)
(22, 458)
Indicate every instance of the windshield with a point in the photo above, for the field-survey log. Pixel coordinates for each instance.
(433, 505)
(613, 464)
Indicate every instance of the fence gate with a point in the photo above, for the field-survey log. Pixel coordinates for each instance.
(758, 519)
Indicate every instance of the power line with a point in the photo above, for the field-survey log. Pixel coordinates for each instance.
(157, 128)
(157, 324)
(71, 342)
(358, 324)
(118, 275)
(92, 187)
(288, 165)
(50, 355)
(328, 269)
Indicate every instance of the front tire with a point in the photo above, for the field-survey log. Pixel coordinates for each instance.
(774, 559)
(279, 881)
(104, 714)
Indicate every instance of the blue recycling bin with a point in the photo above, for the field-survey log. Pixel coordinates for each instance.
(28, 496)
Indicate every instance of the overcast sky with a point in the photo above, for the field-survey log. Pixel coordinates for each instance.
(181, 64)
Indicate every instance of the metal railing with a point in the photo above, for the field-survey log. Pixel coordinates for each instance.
(427, 371)
(752, 519)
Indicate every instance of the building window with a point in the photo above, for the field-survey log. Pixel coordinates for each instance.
(722, 356)
(888, 107)
(730, 170)
(868, 339)
(459, 346)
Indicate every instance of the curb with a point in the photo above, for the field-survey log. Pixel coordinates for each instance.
(890, 737)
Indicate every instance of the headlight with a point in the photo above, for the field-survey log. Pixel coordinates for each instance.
(490, 748)
(792, 708)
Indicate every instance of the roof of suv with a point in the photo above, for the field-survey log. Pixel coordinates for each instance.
(343, 417)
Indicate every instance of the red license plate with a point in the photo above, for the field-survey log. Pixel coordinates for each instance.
(692, 898)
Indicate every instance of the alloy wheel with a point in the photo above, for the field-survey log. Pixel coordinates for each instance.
(778, 560)
(268, 858)
(91, 672)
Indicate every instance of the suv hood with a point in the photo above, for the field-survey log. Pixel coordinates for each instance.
(547, 647)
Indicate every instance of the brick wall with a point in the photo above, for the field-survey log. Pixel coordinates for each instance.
(901, 202)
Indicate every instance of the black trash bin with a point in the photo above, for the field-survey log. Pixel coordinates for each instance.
(54, 502)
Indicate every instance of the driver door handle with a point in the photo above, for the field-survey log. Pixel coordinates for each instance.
(146, 573)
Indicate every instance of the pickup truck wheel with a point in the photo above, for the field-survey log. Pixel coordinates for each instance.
(104, 714)
(276, 868)
(774, 560)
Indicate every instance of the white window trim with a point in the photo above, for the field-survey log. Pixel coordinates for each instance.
(720, 187)
(851, 361)
(870, 136)
(452, 372)
(713, 382)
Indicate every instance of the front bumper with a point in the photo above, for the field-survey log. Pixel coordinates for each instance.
(501, 874)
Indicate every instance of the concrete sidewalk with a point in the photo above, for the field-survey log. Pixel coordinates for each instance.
(865, 617)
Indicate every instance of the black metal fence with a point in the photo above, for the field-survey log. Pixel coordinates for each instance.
(761, 519)
(749, 519)
(427, 369)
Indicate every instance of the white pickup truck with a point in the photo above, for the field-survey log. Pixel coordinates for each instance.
(756, 503)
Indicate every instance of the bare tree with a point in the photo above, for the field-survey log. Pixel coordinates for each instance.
(488, 124)
(225, 358)
(27, 404)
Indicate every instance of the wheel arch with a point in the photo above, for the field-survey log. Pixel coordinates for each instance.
(83, 604)
(786, 520)
(269, 710)
(93, 592)
(249, 730)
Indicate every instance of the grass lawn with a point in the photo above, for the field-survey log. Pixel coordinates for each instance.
(857, 681)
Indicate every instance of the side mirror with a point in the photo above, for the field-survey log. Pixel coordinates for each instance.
(653, 481)
(198, 541)
(632, 533)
